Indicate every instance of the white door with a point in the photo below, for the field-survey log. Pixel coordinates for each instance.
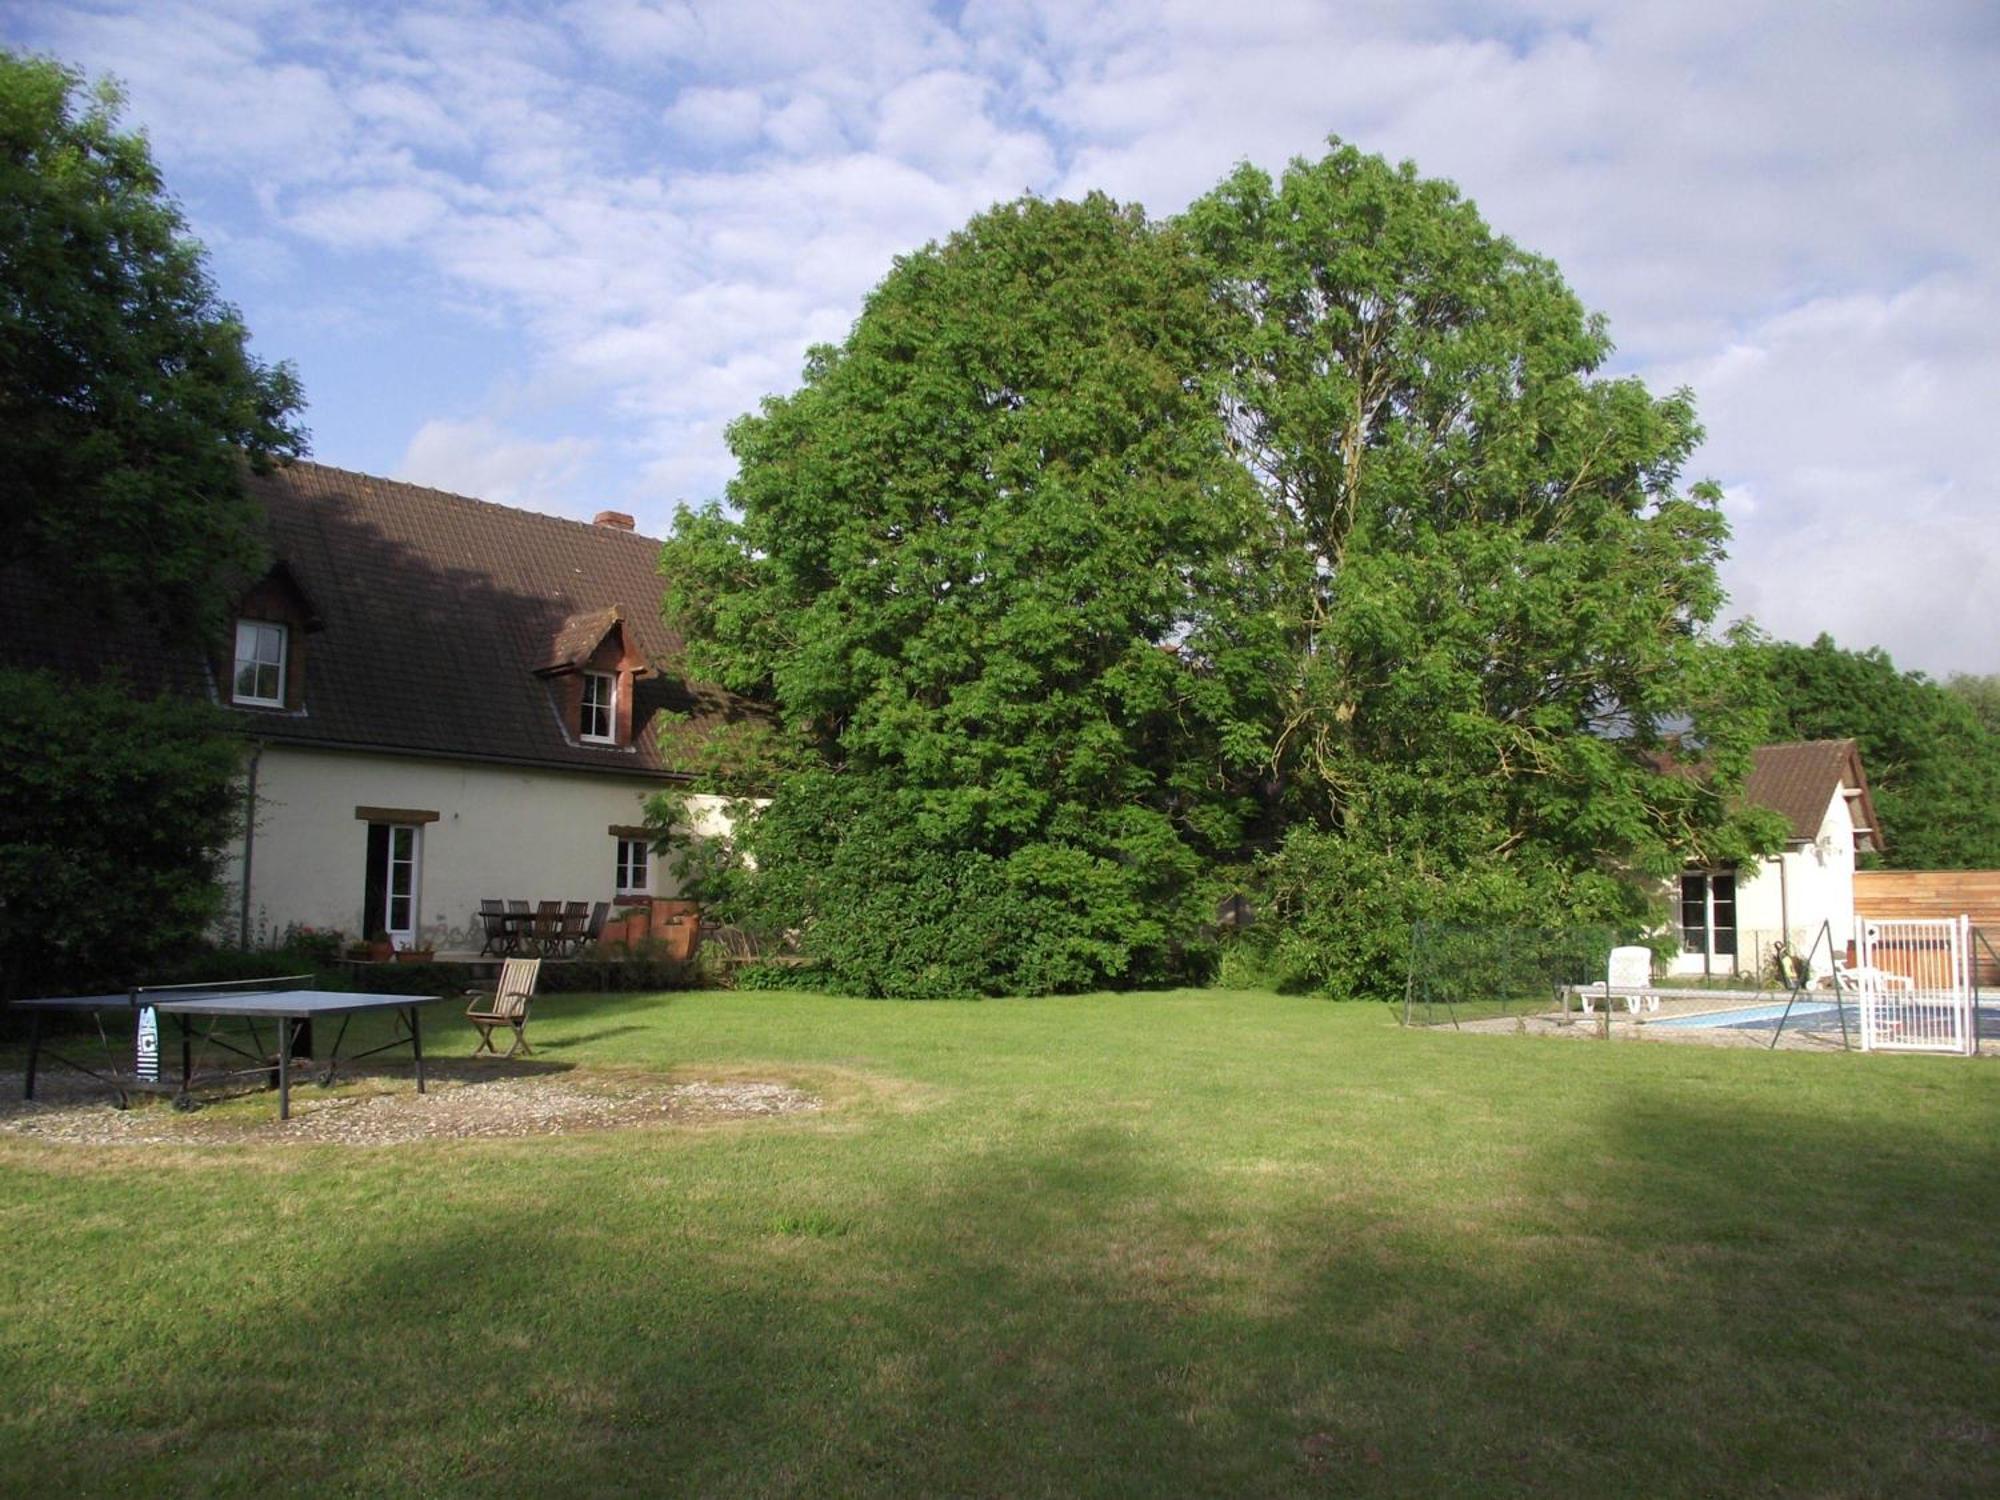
(389, 900)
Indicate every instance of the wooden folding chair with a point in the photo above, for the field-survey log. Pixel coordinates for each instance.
(493, 920)
(507, 1006)
(575, 924)
(548, 928)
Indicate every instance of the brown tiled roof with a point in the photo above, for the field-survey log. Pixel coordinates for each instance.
(434, 612)
(1798, 780)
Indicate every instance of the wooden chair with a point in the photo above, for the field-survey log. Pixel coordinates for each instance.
(548, 927)
(507, 1006)
(493, 918)
(595, 930)
(575, 927)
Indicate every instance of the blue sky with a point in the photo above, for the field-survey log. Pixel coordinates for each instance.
(544, 253)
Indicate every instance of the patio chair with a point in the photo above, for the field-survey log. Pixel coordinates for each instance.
(548, 928)
(1628, 976)
(493, 919)
(1866, 979)
(594, 929)
(575, 925)
(507, 1006)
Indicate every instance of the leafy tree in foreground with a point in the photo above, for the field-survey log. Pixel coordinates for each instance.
(128, 396)
(1933, 766)
(1494, 594)
(111, 813)
(128, 405)
(985, 569)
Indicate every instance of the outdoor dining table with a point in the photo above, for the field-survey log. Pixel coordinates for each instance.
(518, 931)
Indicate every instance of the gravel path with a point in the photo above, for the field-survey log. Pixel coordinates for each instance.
(462, 1103)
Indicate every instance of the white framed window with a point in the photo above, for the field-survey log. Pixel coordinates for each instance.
(1708, 913)
(634, 876)
(600, 706)
(260, 664)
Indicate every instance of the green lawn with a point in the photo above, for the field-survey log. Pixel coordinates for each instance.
(1190, 1244)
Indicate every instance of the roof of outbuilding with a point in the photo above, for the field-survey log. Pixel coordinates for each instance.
(1798, 780)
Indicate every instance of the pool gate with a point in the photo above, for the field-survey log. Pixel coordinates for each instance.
(1916, 994)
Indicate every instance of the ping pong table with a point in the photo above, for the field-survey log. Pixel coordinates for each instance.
(216, 1017)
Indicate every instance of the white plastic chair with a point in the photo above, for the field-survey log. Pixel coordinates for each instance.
(1626, 977)
(1866, 979)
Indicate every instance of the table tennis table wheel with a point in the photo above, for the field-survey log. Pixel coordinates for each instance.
(187, 1104)
(120, 1099)
(326, 1078)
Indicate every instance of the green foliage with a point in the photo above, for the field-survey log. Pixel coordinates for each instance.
(128, 395)
(1933, 765)
(1343, 912)
(1981, 694)
(112, 815)
(885, 906)
(1494, 595)
(984, 570)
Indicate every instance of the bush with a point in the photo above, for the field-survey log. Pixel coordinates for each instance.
(888, 902)
(1341, 911)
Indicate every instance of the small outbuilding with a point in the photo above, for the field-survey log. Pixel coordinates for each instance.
(1732, 919)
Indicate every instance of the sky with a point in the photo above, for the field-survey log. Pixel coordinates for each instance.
(545, 253)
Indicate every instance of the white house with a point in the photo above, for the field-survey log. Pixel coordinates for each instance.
(445, 701)
(1730, 920)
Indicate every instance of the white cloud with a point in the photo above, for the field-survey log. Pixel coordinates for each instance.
(716, 117)
(478, 457)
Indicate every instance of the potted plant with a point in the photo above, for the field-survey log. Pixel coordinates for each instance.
(415, 955)
(380, 949)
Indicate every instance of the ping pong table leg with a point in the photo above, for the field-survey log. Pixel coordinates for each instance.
(417, 1047)
(34, 1051)
(187, 1052)
(284, 1067)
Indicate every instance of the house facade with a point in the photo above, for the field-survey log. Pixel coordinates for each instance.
(444, 701)
(447, 701)
(1730, 920)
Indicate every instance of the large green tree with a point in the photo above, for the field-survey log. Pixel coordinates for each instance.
(1932, 764)
(129, 399)
(986, 563)
(129, 405)
(1494, 590)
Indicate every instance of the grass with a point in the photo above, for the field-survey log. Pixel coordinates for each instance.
(1189, 1244)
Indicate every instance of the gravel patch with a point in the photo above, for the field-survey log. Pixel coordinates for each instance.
(381, 1110)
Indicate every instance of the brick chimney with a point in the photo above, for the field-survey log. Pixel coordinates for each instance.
(615, 518)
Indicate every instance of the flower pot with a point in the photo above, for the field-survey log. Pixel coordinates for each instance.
(681, 934)
(415, 955)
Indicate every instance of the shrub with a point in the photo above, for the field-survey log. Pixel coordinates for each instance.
(888, 900)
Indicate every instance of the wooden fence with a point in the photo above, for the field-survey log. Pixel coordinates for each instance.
(1900, 895)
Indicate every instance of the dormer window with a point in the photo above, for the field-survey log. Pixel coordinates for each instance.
(260, 664)
(600, 707)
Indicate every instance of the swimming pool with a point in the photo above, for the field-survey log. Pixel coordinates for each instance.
(1757, 1015)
